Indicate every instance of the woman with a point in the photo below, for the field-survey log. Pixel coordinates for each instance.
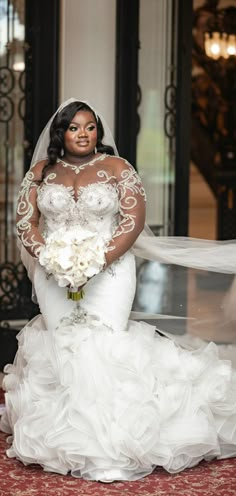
(91, 392)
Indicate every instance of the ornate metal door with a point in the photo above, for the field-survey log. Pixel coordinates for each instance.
(14, 286)
(29, 32)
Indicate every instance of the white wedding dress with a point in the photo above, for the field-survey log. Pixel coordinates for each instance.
(98, 395)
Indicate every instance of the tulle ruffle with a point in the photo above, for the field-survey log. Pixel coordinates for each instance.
(99, 404)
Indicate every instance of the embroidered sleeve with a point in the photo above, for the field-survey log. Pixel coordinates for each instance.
(28, 214)
(131, 211)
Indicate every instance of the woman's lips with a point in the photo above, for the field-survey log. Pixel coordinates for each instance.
(83, 143)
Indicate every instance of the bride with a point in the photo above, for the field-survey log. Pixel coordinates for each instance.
(90, 391)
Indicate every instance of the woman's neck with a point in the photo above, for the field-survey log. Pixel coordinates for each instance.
(73, 160)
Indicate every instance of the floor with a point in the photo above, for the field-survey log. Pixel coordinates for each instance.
(202, 207)
(217, 477)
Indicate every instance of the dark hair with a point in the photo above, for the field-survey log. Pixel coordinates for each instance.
(59, 126)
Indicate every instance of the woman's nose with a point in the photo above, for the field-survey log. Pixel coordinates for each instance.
(82, 132)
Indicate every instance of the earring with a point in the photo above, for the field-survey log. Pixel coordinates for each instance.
(95, 150)
(62, 152)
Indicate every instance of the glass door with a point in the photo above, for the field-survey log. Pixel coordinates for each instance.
(157, 91)
(27, 99)
(164, 72)
(12, 109)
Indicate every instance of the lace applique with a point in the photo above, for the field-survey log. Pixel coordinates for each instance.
(49, 177)
(78, 168)
(112, 205)
(99, 198)
(103, 174)
(54, 196)
(129, 187)
(56, 203)
(96, 207)
(25, 211)
(79, 316)
(111, 270)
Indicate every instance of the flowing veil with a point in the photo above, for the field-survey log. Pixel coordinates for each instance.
(199, 288)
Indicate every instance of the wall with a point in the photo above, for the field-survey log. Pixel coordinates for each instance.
(87, 53)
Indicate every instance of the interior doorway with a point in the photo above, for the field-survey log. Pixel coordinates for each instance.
(212, 184)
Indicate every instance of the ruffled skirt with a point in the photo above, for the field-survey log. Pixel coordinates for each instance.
(102, 404)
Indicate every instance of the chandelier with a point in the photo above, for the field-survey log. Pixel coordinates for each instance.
(218, 44)
(220, 33)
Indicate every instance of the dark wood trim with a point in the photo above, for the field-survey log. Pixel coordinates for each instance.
(127, 44)
(183, 117)
(42, 65)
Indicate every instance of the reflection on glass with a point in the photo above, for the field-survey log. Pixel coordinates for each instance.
(161, 289)
(152, 290)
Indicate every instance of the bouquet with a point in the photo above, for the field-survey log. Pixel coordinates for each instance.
(73, 256)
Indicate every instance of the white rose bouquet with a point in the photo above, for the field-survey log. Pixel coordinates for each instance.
(73, 256)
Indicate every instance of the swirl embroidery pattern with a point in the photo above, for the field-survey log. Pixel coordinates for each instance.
(77, 168)
(129, 186)
(109, 204)
(25, 211)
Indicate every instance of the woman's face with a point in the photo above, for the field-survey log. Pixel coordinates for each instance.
(80, 138)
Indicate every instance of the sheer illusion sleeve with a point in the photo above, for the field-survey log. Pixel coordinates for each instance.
(132, 200)
(27, 219)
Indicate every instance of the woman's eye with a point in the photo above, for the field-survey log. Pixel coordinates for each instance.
(91, 128)
(72, 128)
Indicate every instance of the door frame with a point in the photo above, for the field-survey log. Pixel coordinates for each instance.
(183, 117)
(42, 31)
(127, 100)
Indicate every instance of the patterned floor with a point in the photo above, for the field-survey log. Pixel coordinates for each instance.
(207, 479)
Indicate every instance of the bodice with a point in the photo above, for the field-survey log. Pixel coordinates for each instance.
(104, 195)
(94, 206)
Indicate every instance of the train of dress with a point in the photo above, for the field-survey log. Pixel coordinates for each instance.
(114, 405)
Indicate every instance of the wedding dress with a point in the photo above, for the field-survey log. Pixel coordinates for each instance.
(92, 392)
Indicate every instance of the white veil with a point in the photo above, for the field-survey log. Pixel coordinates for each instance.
(40, 151)
(199, 296)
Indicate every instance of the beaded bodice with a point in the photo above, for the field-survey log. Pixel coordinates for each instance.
(96, 207)
(104, 195)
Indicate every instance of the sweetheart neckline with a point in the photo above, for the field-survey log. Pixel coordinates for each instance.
(77, 191)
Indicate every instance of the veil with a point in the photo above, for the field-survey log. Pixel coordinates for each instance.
(40, 151)
(189, 282)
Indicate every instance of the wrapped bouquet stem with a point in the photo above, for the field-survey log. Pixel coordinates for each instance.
(75, 294)
(73, 256)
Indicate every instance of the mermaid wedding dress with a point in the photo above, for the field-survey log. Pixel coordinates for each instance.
(101, 396)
